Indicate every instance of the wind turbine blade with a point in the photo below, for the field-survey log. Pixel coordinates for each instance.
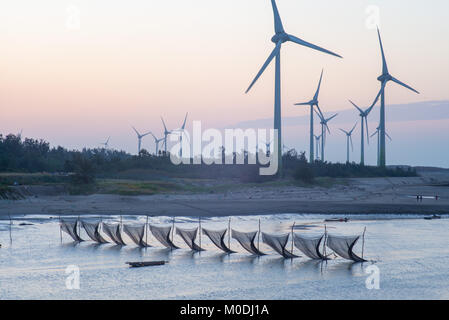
(332, 117)
(367, 129)
(361, 111)
(265, 65)
(163, 122)
(137, 132)
(384, 61)
(350, 132)
(403, 84)
(145, 134)
(320, 114)
(310, 45)
(352, 145)
(319, 86)
(278, 28)
(302, 104)
(328, 130)
(375, 132)
(184, 123)
(345, 132)
(388, 136)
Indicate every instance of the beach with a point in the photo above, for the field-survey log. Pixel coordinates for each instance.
(350, 196)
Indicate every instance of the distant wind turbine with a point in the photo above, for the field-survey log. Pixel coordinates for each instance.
(312, 103)
(324, 128)
(106, 144)
(384, 79)
(349, 139)
(317, 147)
(181, 133)
(139, 139)
(166, 133)
(378, 142)
(364, 120)
(278, 39)
(157, 141)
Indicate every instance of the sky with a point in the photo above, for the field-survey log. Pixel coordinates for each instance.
(75, 72)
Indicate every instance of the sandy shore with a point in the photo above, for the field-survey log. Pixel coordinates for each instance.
(356, 196)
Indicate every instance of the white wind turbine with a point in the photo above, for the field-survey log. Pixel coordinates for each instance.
(312, 103)
(156, 142)
(384, 78)
(378, 142)
(181, 132)
(106, 144)
(278, 39)
(349, 139)
(324, 128)
(139, 139)
(317, 146)
(364, 121)
(166, 133)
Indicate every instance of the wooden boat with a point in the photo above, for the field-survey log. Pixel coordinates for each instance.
(337, 220)
(140, 264)
(433, 217)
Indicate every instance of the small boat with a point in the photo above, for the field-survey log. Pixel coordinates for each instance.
(145, 263)
(433, 217)
(336, 220)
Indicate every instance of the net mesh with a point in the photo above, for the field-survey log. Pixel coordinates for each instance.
(217, 238)
(113, 232)
(93, 231)
(136, 234)
(71, 229)
(189, 236)
(162, 234)
(278, 243)
(310, 246)
(343, 246)
(246, 240)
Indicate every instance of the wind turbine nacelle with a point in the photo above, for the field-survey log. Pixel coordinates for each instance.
(384, 78)
(283, 37)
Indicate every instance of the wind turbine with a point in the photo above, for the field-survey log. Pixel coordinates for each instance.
(181, 133)
(157, 141)
(278, 39)
(364, 120)
(312, 103)
(349, 139)
(324, 128)
(139, 139)
(106, 144)
(166, 133)
(378, 142)
(384, 78)
(317, 147)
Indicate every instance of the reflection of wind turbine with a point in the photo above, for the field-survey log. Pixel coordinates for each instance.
(312, 103)
(279, 38)
(166, 133)
(106, 144)
(378, 142)
(156, 141)
(139, 139)
(317, 147)
(364, 120)
(348, 139)
(324, 128)
(181, 133)
(384, 79)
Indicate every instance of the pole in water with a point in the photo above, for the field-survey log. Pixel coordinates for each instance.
(172, 232)
(60, 228)
(199, 230)
(146, 233)
(229, 233)
(258, 239)
(363, 241)
(293, 226)
(325, 240)
(10, 229)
